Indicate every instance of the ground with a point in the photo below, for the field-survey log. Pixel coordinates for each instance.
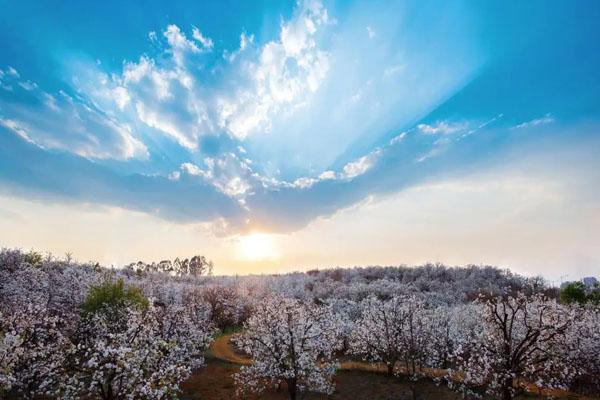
(215, 382)
(353, 381)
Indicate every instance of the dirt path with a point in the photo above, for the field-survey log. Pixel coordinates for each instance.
(222, 349)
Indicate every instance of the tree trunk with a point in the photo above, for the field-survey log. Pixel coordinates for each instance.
(507, 389)
(292, 388)
(413, 390)
(390, 369)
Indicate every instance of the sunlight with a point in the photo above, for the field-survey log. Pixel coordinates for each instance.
(256, 247)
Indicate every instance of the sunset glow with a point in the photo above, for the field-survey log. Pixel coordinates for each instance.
(256, 247)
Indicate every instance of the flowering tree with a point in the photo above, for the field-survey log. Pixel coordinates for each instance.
(128, 348)
(290, 342)
(441, 336)
(135, 353)
(396, 332)
(225, 307)
(32, 352)
(519, 338)
(10, 352)
(393, 331)
(583, 343)
(377, 335)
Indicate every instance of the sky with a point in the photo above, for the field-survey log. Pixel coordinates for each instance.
(274, 136)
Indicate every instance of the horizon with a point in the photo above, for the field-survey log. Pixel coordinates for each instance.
(279, 137)
(308, 270)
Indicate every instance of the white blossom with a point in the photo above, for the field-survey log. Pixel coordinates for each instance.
(290, 342)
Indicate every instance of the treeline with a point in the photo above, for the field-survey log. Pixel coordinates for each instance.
(195, 266)
(498, 346)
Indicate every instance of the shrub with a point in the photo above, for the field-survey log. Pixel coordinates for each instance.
(113, 294)
(33, 258)
(574, 292)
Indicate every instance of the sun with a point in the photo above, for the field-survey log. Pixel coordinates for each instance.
(257, 247)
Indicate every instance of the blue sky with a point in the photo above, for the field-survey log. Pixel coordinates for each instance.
(268, 116)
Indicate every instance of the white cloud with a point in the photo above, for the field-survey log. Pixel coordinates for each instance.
(361, 165)
(164, 97)
(179, 44)
(233, 175)
(206, 42)
(50, 101)
(245, 40)
(547, 119)
(288, 70)
(482, 125)
(11, 71)
(327, 175)
(17, 128)
(9, 77)
(393, 70)
(174, 176)
(398, 138)
(349, 171)
(446, 132)
(370, 32)
(69, 124)
(356, 168)
(191, 169)
(28, 85)
(121, 96)
(441, 128)
(304, 182)
(439, 146)
(165, 93)
(228, 173)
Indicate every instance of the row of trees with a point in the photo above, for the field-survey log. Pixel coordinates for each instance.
(195, 266)
(496, 346)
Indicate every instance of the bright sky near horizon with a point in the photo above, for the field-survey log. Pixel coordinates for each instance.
(277, 136)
